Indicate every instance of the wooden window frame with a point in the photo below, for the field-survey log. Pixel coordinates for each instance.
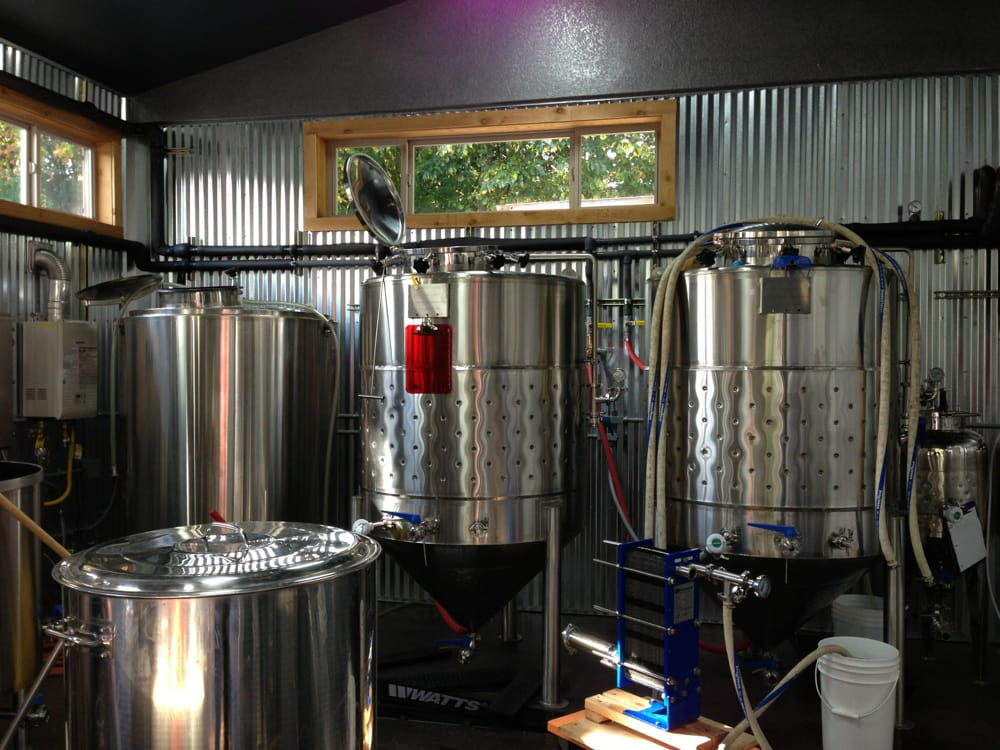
(106, 147)
(320, 136)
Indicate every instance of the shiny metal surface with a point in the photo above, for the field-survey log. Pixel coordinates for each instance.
(841, 150)
(226, 408)
(951, 470)
(216, 559)
(773, 416)
(288, 667)
(19, 584)
(485, 458)
(375, 199)
(553, 599)
(120, 290)
(759, 247)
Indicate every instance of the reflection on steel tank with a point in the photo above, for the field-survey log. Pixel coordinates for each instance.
(770, 422)
(473, 383)
(227, 405)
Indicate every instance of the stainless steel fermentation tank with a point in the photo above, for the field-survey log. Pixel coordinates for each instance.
(950, 471)
(19, 585)
(950, 478)
(227, 406)
(221, 636)
(473, 383)
(771, 419)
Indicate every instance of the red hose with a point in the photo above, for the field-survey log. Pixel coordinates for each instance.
(633, 356)
(216, 516)
(613, 468)
(450, 621)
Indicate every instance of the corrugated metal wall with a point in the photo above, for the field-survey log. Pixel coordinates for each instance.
(35, 69)
(860, 151)
(21, 294)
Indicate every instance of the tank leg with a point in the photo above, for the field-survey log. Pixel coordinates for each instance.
(979, 618)
(511, 632)
(895, 615)
(550, 654)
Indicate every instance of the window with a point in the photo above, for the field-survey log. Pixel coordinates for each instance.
(584, 164)
(57, 167)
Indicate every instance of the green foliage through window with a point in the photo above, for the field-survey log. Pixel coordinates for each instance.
(463, 177)
(64, 172)
(618, 166)
(13, 143)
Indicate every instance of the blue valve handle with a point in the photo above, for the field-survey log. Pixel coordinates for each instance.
(787, 531)
(792, 261)
(413, 518)
(450, 642)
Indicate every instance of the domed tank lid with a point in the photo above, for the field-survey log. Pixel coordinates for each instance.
(375, 199)
(760, 244)
(119, 290)
(216, 559)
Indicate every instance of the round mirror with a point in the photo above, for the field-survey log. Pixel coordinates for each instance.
(375, 199)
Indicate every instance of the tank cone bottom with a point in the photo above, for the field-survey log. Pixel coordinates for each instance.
(472, 582)
(800, 589)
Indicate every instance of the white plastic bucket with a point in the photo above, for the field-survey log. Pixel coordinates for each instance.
(858, 615)
(857, 694)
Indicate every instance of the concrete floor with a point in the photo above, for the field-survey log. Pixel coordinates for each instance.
(947, 709)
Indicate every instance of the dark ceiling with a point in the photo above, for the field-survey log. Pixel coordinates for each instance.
(136, 45)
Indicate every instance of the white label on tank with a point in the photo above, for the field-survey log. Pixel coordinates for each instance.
(683, 602)
(429, 300)
(966, 534)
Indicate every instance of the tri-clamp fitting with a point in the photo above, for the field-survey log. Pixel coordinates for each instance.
(735, 586)
(402, 528)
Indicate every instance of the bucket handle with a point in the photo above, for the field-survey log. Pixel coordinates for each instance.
(846, 715)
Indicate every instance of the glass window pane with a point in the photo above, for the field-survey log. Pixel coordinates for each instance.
(618, 168)
(13, 158)
(387, 156)
(64, 175)
(501, 176)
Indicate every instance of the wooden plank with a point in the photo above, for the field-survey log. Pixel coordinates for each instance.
(701, 734)
(576, 728)
(522, 120)
(59, 218)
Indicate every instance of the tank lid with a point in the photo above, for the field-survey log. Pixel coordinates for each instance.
(375, 199)
(198, 296)
(760, 244)
(216, 559)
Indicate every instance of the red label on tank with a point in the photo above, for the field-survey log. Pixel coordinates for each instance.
(428, 359)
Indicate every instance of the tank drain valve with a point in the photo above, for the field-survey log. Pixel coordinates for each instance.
(786, 537)
(403, 527)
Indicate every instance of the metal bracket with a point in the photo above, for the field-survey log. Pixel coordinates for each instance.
(88, 635)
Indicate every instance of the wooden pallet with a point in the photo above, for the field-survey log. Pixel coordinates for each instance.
(604, 725)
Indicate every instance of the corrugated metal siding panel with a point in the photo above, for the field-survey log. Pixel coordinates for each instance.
(49, 75)
(858, 151)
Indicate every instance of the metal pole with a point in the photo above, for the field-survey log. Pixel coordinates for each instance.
(550, 654)
(30, 695)
(895, 613)
(510, 632)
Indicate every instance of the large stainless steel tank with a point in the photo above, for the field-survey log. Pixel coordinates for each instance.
(771, 419)
(256, 635)
(19, 601)
(227, 406)
(472, 420)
